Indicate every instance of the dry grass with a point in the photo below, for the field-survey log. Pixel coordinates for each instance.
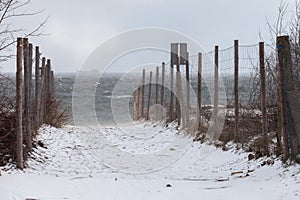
(57, 117)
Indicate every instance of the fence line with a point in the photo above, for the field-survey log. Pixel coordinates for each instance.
(37, 98)
(246, 81)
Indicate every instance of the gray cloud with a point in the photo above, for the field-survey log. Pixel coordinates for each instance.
(77, 27)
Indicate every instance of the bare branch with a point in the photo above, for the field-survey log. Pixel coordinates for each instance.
(11, 9)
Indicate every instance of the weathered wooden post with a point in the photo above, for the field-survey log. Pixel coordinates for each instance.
(162, 84)
(43, 92)
(47, 92)
(174, 55)
(263, 97)
(216, 90)
(27, 119)
(143, 94)
(30, 61)
(171, 106)
(180, 101)
(280, 125)
(31, 113)
(182, 108)
(178, 84)
(149, 97)
(156, 85)
(187, 111)
(19, 106)
(199, 88)
(138, 102)
(237, 137)
(290, 99)
(134, 106)
(37, 89)
(49, 95)
(48, 69)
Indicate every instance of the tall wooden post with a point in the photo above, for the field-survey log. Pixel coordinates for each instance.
(156, 85)
(149, 96)
(31, 125)
(174, 58)
(279, 132)
(199, 88)
(37, 89)
(143, 94)
(171, 117)
(162, 84)
(263, 97)
(216, 89)
(19, 107)
(134, 106)
(236, 91)
(30, 61)
(187, 111)
(281, 44)
(43, 92)
(178, 111)
(48, 94)
(27, 120)
(290, 98)
(48, 69)
(138, 102)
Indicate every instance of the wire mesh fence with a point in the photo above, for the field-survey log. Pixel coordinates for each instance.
(247, 92)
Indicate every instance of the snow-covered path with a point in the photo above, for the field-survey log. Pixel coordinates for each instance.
(70, 166)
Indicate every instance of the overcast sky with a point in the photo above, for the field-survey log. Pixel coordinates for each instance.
(77, 27)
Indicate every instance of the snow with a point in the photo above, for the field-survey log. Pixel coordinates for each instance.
(138, 162)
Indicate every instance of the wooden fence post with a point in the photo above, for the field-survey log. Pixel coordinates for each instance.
(157, 85)
(187, 111)
(199, 89)
(43, 92)
(138, 102)
(134, 106)
(49, 82)
(19, 106)
(263, 97)
(37, 89)
(174, 60)
(290, 98)
(178, 111)
(143, 93)
(216, 90)
(31, 116)
(49, 79)
(171, 117)
(47, 91)
(30, 61)
(149, 96)
(27, 119)
(237, 137)
(280, 125)
(162, 84)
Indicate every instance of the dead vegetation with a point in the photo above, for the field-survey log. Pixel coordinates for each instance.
(57, 117)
